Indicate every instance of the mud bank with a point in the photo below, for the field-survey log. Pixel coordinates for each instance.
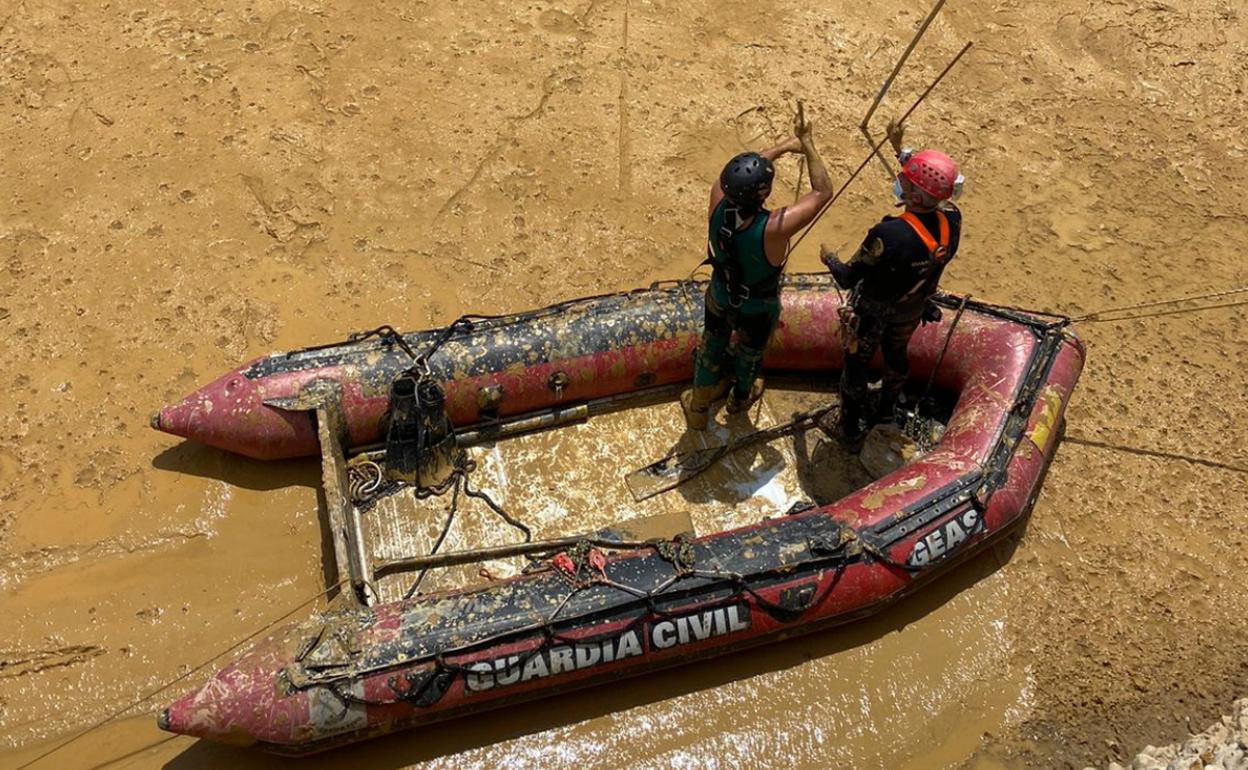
(1224, 746)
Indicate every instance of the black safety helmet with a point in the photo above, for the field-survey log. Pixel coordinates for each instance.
(747, 179)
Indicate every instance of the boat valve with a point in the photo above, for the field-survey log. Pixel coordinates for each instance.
(490, 398)
(557, 382)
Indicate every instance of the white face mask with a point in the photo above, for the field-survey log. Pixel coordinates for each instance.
(957, 189)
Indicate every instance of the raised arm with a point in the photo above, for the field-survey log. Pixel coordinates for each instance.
(896, 133)
(793, 144)
(790, 220)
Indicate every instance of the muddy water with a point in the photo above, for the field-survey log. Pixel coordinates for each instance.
(186, 187)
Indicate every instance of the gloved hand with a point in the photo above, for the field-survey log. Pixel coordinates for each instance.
(828, 257)
(843, 274)
(931, 313)
(896, 133)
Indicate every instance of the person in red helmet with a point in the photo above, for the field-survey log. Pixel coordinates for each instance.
(892, 279)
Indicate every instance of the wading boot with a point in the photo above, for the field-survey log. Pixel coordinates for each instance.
(853, 434)
(697, 403)
(737, 405)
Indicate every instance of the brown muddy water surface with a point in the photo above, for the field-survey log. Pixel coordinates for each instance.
(188, 186)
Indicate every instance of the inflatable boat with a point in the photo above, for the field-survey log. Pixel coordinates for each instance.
(590, 614)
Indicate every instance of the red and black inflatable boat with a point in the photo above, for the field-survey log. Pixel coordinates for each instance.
(355, 673)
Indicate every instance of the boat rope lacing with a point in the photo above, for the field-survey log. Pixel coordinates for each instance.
(584, 567)
(391, 336)
(470, 322)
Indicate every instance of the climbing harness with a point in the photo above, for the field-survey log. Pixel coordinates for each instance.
(725, 259)
(849, 321)
(937, 249)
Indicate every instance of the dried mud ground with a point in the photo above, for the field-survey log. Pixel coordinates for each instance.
(184, 186)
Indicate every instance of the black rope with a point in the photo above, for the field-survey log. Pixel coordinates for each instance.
(498, 509)
(455, 483)
(386, 332)
(675, 553)
(446, 528)
(462, 324)
(940, 359)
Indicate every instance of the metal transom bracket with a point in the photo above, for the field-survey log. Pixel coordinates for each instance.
(352, 563)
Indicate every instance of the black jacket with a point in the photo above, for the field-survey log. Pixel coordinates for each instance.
(893, 269)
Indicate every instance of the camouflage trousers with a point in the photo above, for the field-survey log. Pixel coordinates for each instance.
(715, 354)
(873, 333)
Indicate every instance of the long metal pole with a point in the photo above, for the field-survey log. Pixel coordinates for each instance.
(879, 97)
(472, 556)
(876, 147)
(551, 418)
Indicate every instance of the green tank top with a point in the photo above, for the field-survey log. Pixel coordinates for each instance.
(744, 253)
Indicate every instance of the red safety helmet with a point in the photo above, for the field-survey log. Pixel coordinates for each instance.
(933, 172)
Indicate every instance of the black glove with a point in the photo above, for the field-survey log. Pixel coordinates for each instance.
(931, 313)
(842, 273)
(828, 257)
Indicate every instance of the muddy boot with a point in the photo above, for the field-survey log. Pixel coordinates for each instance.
(853, 433)
(736, 405)
(697, 403)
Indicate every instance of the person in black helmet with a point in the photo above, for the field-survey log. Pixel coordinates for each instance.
(747, 248)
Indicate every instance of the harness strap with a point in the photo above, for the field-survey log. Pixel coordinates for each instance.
(730, 269)
(938, 250)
